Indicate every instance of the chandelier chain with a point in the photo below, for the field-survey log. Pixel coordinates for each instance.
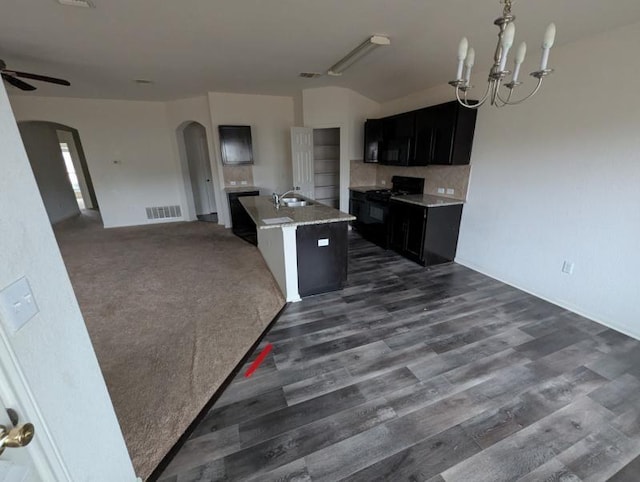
(507, 7)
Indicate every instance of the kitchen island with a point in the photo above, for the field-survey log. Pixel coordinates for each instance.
(305, 247)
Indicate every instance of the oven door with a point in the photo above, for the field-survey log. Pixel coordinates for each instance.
(374, 225)
(377, 212)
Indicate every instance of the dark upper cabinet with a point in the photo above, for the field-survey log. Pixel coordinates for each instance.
(452, 140)
(372, 139)
(235, 144)
(442, 134)
(425, 134)
(399, 126)
(397, 147)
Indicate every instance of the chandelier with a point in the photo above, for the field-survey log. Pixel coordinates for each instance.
(498, 74)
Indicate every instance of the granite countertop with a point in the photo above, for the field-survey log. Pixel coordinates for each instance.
(366, 188)
(428, 200)
(261, 208)
(240, 188)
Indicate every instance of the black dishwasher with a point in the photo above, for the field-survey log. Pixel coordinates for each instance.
(241, 223)
(322, 257)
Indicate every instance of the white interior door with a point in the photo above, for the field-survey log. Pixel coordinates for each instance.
(49, 372)
(302, 158)
(16, 464)
(195, 140)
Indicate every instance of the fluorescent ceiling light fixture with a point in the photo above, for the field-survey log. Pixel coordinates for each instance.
(356, 54)
(77, 3)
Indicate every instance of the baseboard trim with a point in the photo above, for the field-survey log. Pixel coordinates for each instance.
(560, 303)
(155, 475)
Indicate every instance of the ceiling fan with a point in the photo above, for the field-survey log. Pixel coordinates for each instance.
(11, 77)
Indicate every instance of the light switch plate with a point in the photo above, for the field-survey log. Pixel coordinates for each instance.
(233, 183)
(323, 242)
(244, 183)
(440, 190)
(17, 304)
(450, 191)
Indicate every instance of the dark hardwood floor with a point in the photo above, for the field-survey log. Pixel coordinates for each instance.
(425, 375)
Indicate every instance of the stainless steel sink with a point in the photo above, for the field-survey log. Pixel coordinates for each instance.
(291, 199)
(297, 204)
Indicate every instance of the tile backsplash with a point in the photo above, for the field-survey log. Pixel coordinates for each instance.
(237, 174)
(363, 174)
(445, 177)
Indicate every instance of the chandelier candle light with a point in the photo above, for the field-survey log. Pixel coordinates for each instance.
(498, 73)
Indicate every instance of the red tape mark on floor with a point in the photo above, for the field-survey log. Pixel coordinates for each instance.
(254, 366)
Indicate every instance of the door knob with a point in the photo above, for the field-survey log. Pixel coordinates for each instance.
(16, 437)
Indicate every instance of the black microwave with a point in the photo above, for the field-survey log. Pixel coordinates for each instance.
(396, 152)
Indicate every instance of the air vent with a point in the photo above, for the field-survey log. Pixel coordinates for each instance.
(310, 75)
(77, 3)
(164, 212)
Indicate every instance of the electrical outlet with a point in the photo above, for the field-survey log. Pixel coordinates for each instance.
(244, 183)
(440, 190)
(233, 183)
(383, 182)
(451, 191)
(567, 267)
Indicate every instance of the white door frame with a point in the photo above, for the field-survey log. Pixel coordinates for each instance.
(345, 162)
(199, 169)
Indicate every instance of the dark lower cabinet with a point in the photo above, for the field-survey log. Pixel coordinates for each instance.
(241, 223)
(322, 257)
(427, 236)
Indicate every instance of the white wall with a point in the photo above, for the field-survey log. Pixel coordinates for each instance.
(557, 179)
(179, 114)
(136, 134)
(346, 109)
(53, 349)
(43, 148)
(271, 118)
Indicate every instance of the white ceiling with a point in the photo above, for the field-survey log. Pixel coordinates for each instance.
(189, 47)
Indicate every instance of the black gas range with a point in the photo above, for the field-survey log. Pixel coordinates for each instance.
(371, 208)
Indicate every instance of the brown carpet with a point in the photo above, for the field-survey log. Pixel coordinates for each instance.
(171, 309)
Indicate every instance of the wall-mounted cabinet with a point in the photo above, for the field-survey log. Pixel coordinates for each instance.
(372, 139)
(442, 134)
(453, 131)
(235, 145)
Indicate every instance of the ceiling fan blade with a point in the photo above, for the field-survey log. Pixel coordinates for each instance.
(43, 78)
(17, 82)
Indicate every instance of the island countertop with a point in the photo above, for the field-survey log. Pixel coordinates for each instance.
(261, 208)
(427, 200)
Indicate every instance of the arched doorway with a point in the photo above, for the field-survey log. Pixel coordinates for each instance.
(200, 185)
(60, 168)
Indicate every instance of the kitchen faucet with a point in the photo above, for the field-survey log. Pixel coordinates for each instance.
(277, 197)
